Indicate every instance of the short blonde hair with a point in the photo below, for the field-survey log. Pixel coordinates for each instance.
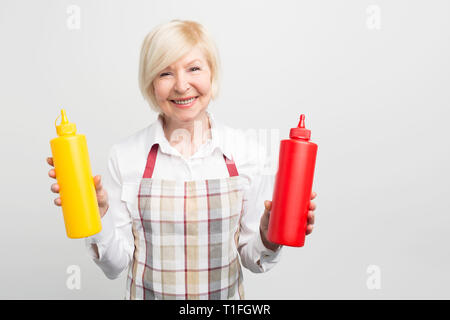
(166, 44)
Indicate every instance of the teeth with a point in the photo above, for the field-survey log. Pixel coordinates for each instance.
(184, 101)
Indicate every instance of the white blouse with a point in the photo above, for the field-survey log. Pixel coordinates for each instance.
(126, 166)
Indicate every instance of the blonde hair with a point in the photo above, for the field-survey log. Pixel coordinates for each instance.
(166, 44)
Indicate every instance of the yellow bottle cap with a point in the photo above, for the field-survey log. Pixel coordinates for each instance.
(65, 127)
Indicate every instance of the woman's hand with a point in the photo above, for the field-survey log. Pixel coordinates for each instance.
(264, 223)
(102, 195)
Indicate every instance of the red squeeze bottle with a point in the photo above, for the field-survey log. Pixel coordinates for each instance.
(293, 186)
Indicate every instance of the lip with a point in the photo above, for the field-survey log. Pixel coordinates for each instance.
(185, 106)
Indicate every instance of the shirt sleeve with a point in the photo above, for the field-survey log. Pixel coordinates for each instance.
(254, 255)
(115, 242)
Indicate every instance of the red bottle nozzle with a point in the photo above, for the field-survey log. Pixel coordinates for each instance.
(300, 132)
(301, 124)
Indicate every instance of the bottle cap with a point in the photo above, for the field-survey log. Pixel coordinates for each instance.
(65, 127)
(300, 132)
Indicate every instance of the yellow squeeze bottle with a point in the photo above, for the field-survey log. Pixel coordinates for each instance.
(76, 184)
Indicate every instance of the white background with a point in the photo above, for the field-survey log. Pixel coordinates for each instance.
(372, 78)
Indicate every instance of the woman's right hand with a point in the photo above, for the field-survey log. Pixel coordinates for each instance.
(102, 195)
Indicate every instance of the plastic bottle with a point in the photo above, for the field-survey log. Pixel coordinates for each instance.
(74, 177)
(293, 186)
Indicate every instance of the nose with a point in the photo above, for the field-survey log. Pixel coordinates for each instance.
(181, 84)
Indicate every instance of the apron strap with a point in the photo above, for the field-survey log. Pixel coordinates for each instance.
(151, 159)
(232, 170)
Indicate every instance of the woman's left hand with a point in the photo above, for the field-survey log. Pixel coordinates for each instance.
(264, 222)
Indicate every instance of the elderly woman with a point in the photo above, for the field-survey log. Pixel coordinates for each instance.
(182, 208)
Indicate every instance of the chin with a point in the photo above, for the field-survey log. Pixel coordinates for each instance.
(191, 115)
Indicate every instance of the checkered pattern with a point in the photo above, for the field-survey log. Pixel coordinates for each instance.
(186, 238)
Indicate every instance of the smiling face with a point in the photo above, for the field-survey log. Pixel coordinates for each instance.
(183, 89)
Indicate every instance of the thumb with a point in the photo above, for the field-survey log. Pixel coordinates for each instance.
(268, 205)
(97, 180)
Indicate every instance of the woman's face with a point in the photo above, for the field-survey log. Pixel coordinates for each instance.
(183, 89)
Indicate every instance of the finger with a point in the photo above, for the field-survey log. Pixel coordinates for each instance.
(50, 161)
(57, 202)
(265, 217)
(101, 199)
(52, 173)
(55, 188)
(309, 229)
(98, 183)
(268, 205)
(311, 217)
(313, 195)
(312, 206)
(102, 195)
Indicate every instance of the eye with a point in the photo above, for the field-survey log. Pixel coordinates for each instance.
(195, 68)
(164, 74)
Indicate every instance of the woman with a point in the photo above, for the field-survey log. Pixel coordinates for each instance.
(180, 207)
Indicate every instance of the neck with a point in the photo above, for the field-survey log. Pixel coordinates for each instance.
(187, 137)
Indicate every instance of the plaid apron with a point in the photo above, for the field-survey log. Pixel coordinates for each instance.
(186, 237)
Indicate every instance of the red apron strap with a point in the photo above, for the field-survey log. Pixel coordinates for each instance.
(231, 166)
(151, 159)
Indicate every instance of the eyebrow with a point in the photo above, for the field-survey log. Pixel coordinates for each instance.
(195, 60)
